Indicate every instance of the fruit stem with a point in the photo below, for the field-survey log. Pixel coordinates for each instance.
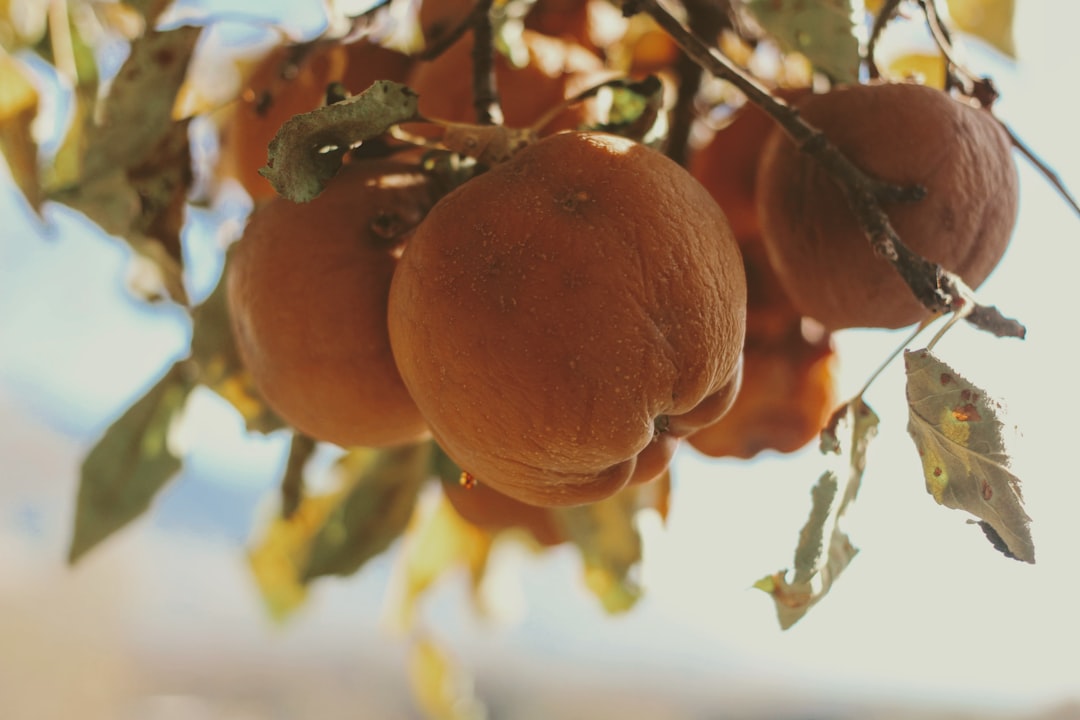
(934, 287)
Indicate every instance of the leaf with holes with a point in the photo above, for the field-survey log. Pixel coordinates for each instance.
(307, 150)
(959, 436)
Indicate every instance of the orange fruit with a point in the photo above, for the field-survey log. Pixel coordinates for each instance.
(557, 69)
(490, 510)
(286, 83)
(307, 291)
(564, 318)
(789, 374)
(901, 133)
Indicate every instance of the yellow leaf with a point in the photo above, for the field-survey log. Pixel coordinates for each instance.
(991, 20)
(18, 108)
(440, 687)
(927, 68)
(958, 433)
(437, 543)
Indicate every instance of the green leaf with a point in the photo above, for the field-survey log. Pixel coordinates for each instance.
(824, 550)
(18, 109)
(130, 464)
(991, 20)
(822, 30)
(958, 433)
(383, 486)
(307, 150)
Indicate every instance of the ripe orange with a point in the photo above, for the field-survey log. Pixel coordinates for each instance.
(789, 374)
(565, 317)
(491, 510)
(286, 84)
(307, 290)
(902, 133)
(556, 70)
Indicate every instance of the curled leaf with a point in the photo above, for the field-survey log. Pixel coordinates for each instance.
(130, 464)
(824, 550)
(958, 433)
(307, 150)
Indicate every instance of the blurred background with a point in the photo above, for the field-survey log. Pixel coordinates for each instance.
(165, 621)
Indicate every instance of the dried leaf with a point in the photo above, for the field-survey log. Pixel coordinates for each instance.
(383, 486)
(18, 108)
(824, 551)
(958, 433)
(307, 150)
(277, 561)
(991, 20)
(130, 464)
(137, 114)
(437, 543)
(214, 351)
(130, 172)
(442, 689)
(822, 30)
(606, 534)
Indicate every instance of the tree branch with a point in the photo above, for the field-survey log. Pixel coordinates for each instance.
(934, 287)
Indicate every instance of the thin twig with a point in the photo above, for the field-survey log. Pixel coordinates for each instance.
(485, 93)
(1047, 172)
(938, 290)
(708, 19)
(885, 14)
(979, 87)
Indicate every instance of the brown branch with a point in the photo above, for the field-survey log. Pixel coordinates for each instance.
(485, 93)
(938, 290)
(708, 18)
(979, 87)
